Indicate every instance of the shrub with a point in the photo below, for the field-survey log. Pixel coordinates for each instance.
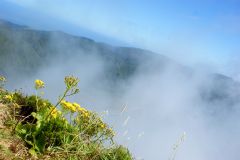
(47, 133)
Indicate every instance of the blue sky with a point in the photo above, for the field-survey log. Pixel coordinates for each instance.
(200, 33)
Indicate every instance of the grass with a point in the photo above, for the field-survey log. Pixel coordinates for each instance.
(33, 128)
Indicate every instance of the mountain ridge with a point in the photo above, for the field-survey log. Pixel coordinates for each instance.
(31, 50)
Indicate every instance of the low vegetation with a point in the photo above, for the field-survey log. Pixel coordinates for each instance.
(33, 128)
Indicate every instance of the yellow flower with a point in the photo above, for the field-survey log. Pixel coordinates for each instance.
(39, 84)
(102, 125)
(68, 106)
(79, 108)
(54, 115)
(55, 112)
(8, 97)
(86, 114)
(76, 105)
(82, 110)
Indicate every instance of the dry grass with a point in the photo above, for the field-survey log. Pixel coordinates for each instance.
(11, 147)
(3, 115)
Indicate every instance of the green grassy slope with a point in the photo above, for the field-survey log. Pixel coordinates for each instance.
(33, 128)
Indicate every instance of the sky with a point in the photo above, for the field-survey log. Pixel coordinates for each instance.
(204, 34)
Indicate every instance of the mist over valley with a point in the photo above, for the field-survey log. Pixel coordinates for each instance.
(151, 99)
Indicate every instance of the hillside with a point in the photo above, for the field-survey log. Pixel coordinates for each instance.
(24, 51)
(34, 128)
(30, 49)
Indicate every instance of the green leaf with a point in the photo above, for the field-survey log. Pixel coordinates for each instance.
(40, 142)
(23, 131)
(32, 152)
(34, 114)
(38, 125)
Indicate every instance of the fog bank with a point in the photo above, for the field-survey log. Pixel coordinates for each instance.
(151, 110)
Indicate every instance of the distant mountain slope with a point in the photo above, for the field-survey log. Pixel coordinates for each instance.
(24, 51)
(29, 49)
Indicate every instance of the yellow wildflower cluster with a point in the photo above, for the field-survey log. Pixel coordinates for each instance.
(82, 110)
(54, 112)
(73, 107)
(39, 84)
(8, 97)
(68, 106)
